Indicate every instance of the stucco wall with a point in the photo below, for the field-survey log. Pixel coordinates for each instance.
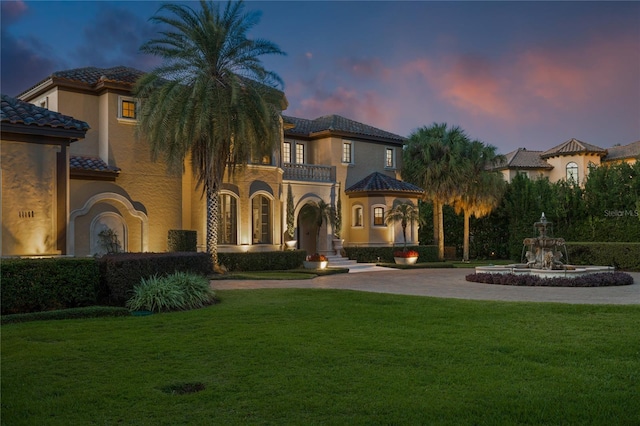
(28, 198)
(559, 164)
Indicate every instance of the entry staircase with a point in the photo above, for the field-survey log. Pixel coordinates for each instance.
(353, 266)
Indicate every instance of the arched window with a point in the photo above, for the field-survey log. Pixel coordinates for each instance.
(228, 220)
(378, 216)
(572, 172)
(357, 216)
(261, 219)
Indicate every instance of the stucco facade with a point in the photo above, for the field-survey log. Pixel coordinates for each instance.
(114, 185)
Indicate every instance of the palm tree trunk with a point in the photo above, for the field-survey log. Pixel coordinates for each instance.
(436, 223)
(212, 224)
(465, 243)
(440, 232)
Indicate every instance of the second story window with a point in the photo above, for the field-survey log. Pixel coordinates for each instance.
(347, 152)
(300, 153)
(127, 108)
(286, 152)
(572, 172)
(389, 159)
(378, 216)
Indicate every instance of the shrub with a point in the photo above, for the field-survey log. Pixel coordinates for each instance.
(178, 291)
(262, 261)
(73, 313)
(196, 290)
(317, 258)
(624, 256)
(602, 279)
(32, 285)
(405, 254)
(121, 272)
(182, 240)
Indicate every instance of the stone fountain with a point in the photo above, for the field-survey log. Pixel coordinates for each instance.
(544, 251)
(543, 254)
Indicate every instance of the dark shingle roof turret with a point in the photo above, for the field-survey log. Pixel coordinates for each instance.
(15, 111)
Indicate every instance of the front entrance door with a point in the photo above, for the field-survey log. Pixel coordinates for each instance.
(307, 233)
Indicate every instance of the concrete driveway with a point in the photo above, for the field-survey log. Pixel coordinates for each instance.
(448, 283)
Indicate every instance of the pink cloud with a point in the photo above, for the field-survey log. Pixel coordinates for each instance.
(11, 10)
(366, 107)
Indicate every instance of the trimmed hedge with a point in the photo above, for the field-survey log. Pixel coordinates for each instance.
(32, 285)
(182, 240)
(602, 279)
(385, 254)
(625, 256)
(73, 313)
(121, 272)
(262, 261)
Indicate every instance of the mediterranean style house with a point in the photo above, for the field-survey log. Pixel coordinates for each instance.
(66, 180)
(569, 160)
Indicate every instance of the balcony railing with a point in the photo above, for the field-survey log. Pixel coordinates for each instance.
(309, 172)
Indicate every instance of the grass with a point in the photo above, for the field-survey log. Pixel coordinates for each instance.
(297, 356)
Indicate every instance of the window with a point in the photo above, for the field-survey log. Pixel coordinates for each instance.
(347, 153)
(378, 216)
(300, 153)
(572, 172)
(357, 216)
(261, 207)
(389, 158)
(286, 152)
(228, 225)
(126, 108)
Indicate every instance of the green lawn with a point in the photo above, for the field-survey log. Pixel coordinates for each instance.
(329, 357)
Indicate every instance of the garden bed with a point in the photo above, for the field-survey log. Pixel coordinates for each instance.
(603, 279)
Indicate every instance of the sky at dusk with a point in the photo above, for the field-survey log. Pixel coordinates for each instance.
(512, 74)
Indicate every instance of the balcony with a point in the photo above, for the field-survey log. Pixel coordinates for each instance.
(309, 172)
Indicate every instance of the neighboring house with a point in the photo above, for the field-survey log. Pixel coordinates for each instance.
(569, 160)
(34, 167)
(113, 184)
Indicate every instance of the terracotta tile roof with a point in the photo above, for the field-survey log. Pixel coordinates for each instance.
(93, 75)
(15, 111)
(336, 123)
(93, 164)
(522, 158)
(631, 150)
(378, 182)
(573, 146)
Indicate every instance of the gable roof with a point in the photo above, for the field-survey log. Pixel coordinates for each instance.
(573, 146)
(336, 124)
(631, 150)
(15, 111)
(378, 182)
(522, 158)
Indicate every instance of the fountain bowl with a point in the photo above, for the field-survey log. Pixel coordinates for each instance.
(568, 271)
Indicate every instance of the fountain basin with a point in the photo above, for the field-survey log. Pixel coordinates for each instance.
(521, 269)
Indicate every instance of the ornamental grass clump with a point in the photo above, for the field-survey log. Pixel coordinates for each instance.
(176, 292)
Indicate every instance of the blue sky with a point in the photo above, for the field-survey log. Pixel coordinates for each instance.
(512, 74)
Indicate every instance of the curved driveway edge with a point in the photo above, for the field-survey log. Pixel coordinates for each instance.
(449, 283)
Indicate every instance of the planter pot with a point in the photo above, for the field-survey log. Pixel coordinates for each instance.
(406, 260)
(337, 245)
(309, 264)
(291, 244)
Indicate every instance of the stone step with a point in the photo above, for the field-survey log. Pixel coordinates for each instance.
(353, 266)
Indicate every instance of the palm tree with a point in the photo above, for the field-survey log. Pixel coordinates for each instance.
(405, 213)
(480, 189)
(431, 161)
(211, 99)
(316, 213)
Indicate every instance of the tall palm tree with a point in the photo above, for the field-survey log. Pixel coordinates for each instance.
(211, 100)
(431, 161)
(404, 212)
(316, 213)
(480, 188)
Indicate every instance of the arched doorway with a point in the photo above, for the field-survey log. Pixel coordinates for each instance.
(307, 231)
